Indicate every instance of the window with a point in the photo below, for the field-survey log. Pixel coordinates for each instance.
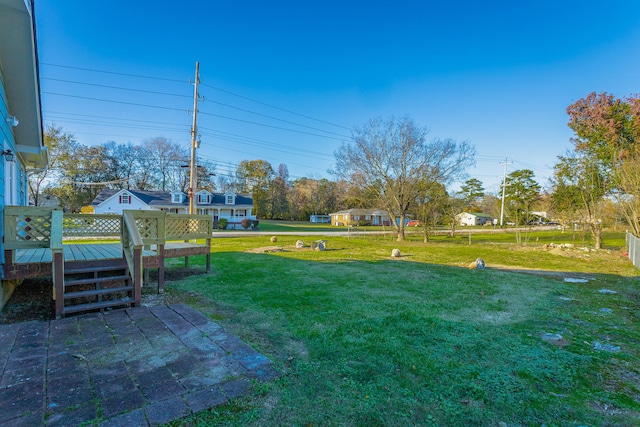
(203, 198)
(230, 199)
(176, 198)
(125, 199)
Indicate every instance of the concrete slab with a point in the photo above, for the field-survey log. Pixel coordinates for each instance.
(138, 366)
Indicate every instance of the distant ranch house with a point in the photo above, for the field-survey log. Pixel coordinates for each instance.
(470, 219)
(230, 206)
(360, 217)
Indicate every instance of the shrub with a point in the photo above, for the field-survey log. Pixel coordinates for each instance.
(246, 223)
(255, 223)
(222, 224)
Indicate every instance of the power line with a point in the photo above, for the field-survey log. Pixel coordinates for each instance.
(273, 106)
(112, 101)
(116, 87)
(271, 126)
(114, 73)
(275, 118)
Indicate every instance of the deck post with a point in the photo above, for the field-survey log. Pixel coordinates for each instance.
(137, 276)
(57, 255)
(161, 268)
(58, 281)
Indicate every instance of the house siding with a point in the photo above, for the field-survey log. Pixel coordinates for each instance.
(113, 205)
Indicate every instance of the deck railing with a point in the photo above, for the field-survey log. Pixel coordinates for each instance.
(93, 225)
(30, 227)
(132, 248)
(151, 225)
(188, 227)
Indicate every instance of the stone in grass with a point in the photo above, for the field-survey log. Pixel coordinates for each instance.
(274, 239)
(299, 244)
(551, 337)
(477, 264)
(607, 292)
(575, 280)
(606, 347)
(395, 253)
(318, 245)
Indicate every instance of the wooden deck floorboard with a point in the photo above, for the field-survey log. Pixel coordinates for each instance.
(91, 252)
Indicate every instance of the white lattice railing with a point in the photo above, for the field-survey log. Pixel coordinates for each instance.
(91, 225)
(30, 227)
(187, 227)
(39, 227)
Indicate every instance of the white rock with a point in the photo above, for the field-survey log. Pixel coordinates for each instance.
(299, 244)
(395, 253)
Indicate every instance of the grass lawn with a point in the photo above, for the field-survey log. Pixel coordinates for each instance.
(364, 340)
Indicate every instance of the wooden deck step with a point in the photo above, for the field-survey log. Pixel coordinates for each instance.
(90, 280)
(96, 292)
(84, 270)
(98, 305)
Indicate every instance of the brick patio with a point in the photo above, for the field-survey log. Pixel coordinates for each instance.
(135, 367)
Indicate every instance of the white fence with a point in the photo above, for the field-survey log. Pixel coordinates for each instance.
(633, 243)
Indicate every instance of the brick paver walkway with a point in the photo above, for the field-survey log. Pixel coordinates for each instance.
(134, 367)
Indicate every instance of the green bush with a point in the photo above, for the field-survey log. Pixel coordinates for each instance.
(222, 224)
(255, 223)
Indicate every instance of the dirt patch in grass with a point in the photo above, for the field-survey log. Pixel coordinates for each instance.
(265, 249)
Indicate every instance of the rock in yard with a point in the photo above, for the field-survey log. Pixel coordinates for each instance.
(274, 239)
(318, 245)
(606, 347)
(574, 280)
(551, 337)
(478, 264)
(607, 292)
(299, 244)
(395, 253)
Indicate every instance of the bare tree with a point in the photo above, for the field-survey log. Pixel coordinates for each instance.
(392, 159)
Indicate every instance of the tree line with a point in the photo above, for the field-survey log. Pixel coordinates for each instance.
(389, 164)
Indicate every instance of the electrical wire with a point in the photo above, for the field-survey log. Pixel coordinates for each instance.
(117, 87)
(113, 72)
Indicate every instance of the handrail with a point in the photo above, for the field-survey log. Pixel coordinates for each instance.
(132, 247)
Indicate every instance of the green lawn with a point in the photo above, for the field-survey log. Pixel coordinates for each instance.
(364, 340)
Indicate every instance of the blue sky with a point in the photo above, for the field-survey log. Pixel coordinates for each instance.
(498, 74)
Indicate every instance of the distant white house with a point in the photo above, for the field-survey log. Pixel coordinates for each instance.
(230, 206)
(323, 219)
(475, 218)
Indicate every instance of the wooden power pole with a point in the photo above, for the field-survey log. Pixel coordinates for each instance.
(193, 179)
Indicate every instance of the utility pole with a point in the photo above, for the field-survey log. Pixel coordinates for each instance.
(193, 179)
(504, 187)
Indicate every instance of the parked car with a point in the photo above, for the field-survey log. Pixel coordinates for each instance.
(413, 223)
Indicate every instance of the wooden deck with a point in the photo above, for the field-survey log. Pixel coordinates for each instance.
(35, 246)
(75, 252)
(38, 261)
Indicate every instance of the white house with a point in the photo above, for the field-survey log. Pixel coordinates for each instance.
(230, 206)
(22, 146)
(475, 218)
